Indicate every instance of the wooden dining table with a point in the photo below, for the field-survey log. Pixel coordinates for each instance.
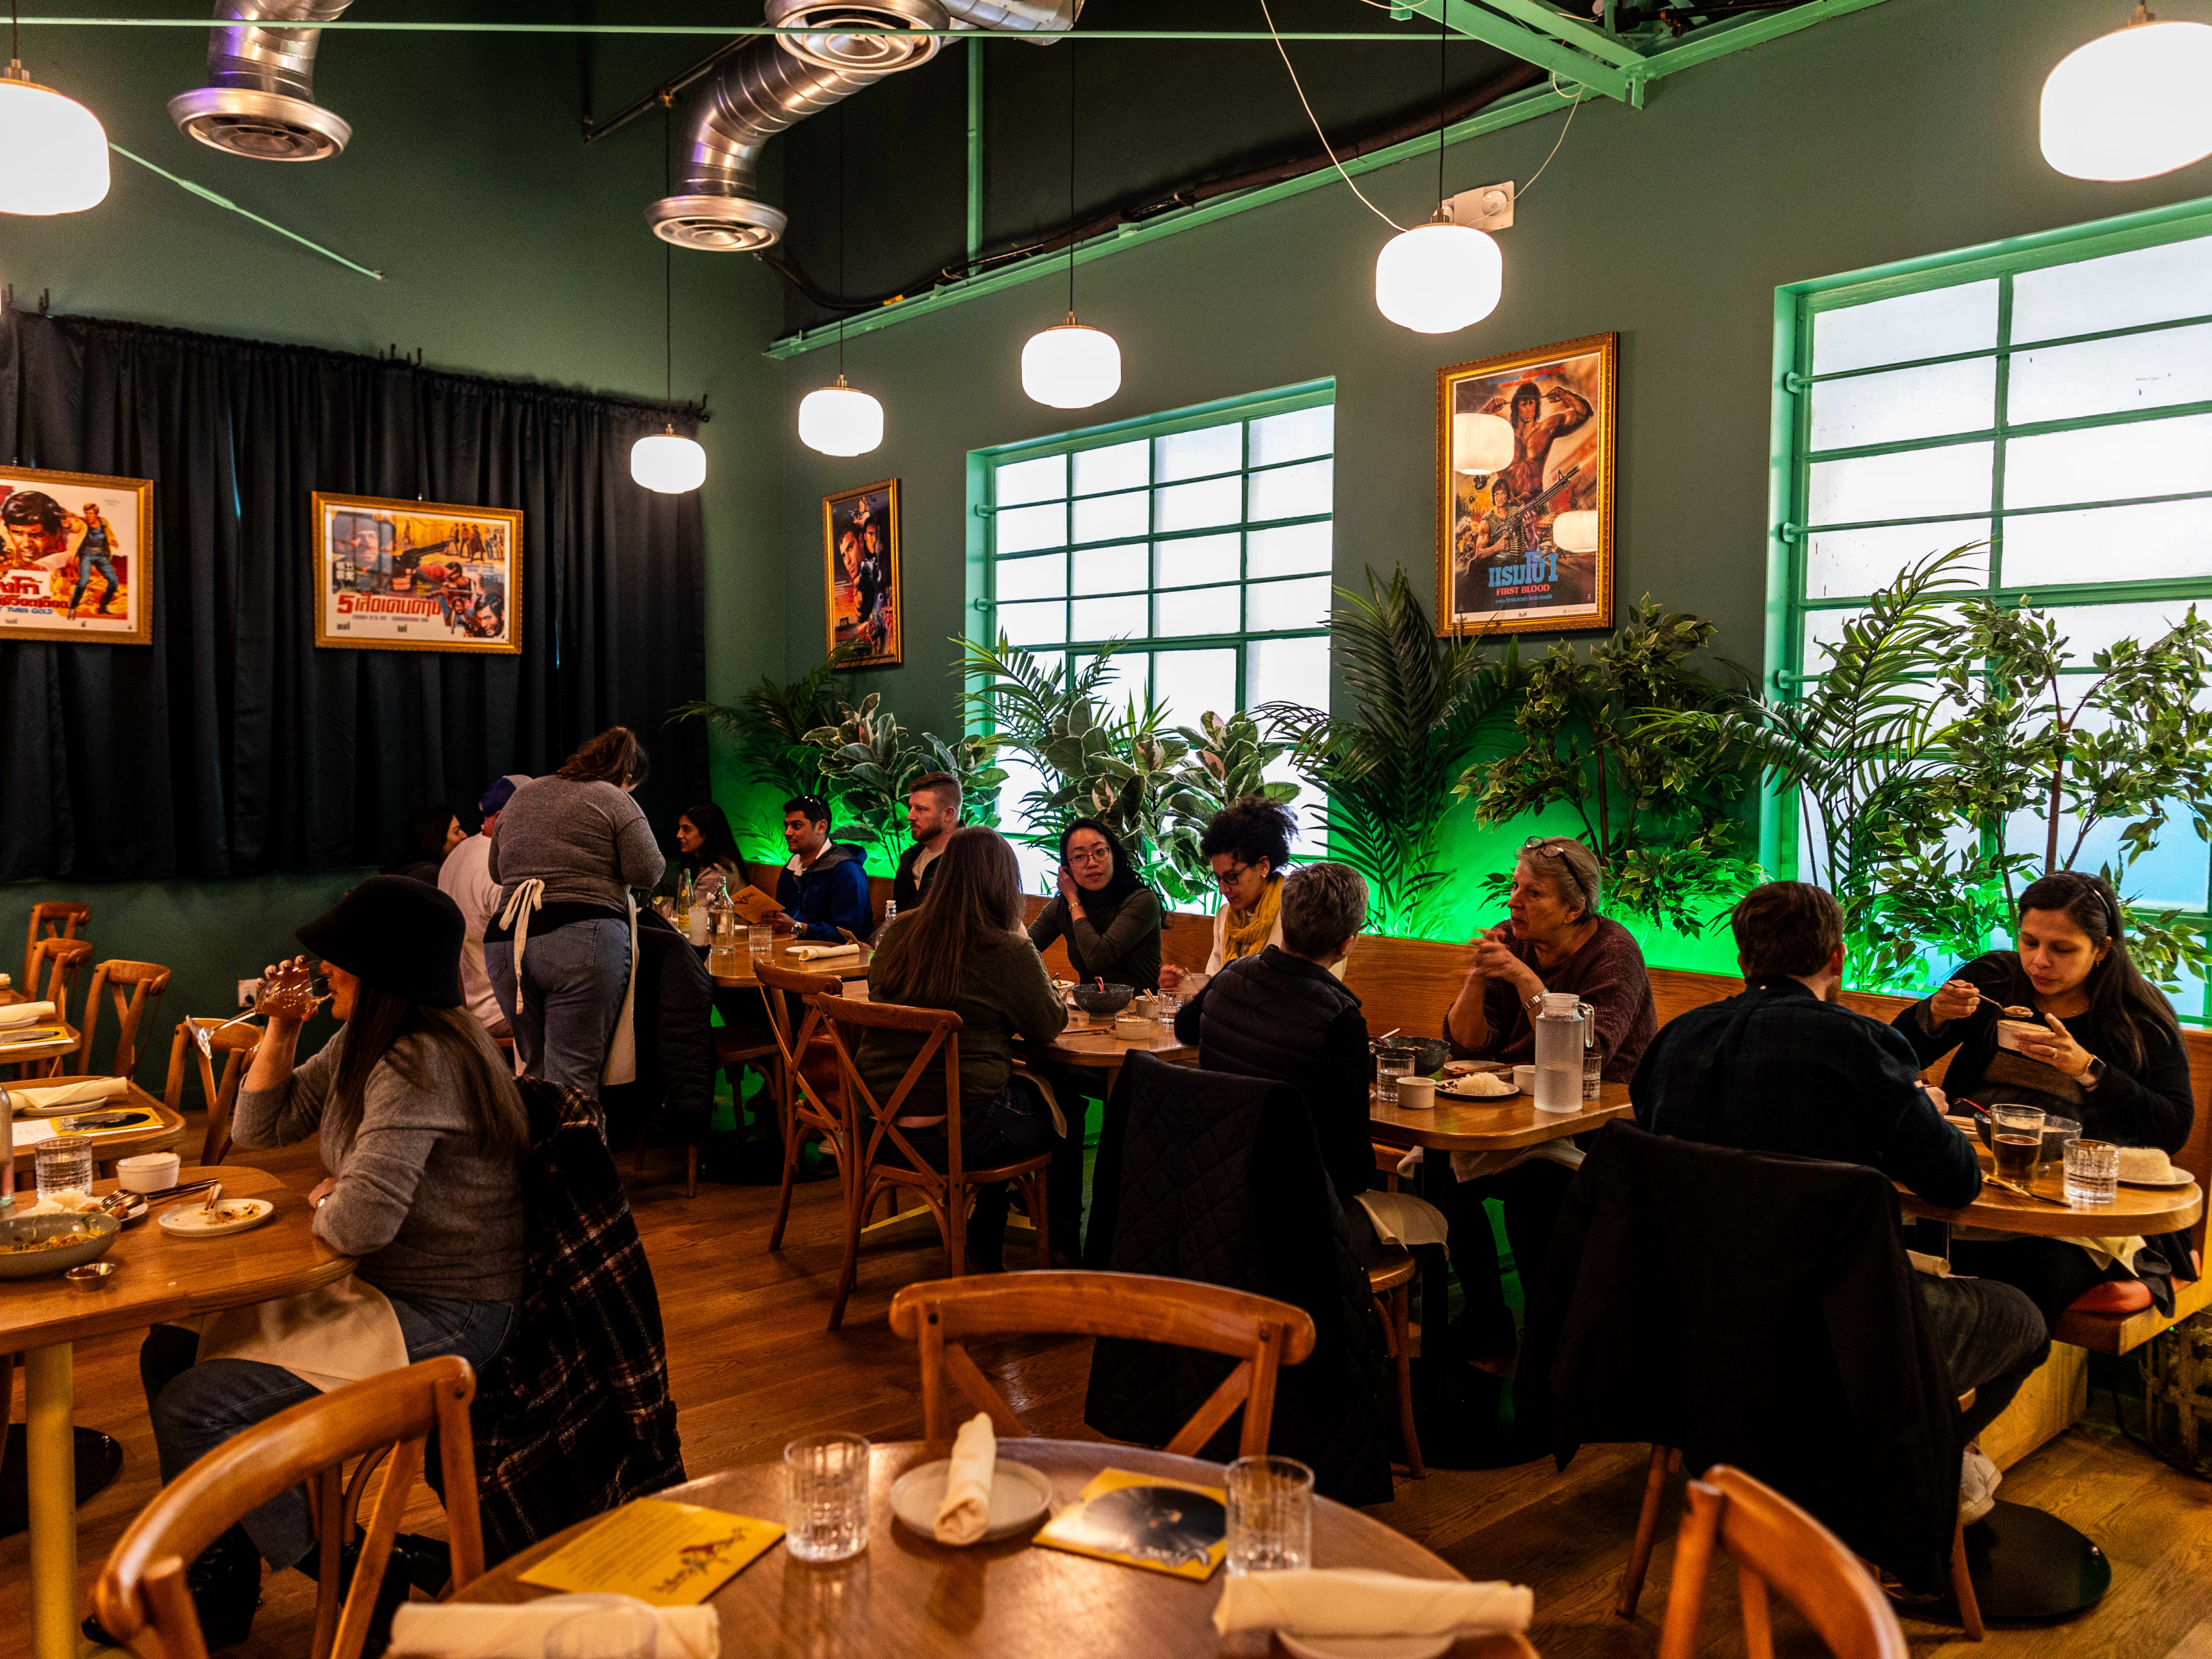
(908, 1595)
(845, 968)
(161, 1278)
(33, 1061)
(109, 1146)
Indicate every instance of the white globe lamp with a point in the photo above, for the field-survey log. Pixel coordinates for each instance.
(2132, 104)
(1481, 442)
(53, 154)
(1575, 532)
(839, 421)
(1438, 277)
(1071, 367)
(668, 464)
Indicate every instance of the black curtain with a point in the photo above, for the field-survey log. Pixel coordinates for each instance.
(231, 745)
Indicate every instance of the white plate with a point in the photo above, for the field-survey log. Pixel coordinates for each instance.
(187, 1220)
(2174, 1185)
(1020, 1496)
(1449, 1086)
(1366, 1647)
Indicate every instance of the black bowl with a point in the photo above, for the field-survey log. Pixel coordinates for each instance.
(1429, 1052)
(1102, 1000)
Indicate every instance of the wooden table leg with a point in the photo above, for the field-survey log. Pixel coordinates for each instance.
(49, 1401)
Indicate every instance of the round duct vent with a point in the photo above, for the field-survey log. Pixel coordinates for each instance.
(716, 224)
(831, 41)
(266, 126)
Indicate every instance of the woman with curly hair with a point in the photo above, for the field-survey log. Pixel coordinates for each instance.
(1247, 843)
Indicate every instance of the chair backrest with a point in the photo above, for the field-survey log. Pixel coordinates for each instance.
(52, 919)
(1775, 1545)
(1260, 1334)
(142, 1585)
(135, 988)
(236, 1044)
(871, 1122)
(51, 971)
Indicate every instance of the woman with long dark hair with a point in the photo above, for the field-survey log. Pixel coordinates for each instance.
(2110, 1057)
(433, 831)
(419, 1121)
(705, 846)
(1110, 918)
(964, 948)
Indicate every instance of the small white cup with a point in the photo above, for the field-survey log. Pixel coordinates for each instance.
(148, 1172)
(1416, 1093)
(1524, 1078)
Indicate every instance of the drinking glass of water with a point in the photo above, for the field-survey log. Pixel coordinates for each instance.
(1389, 1066)
(1270, 1515)
(825, 1497)
(64, 1162)
(759, 941)
(2093, 1171)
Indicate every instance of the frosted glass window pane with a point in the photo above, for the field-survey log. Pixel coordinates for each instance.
(1907, 403)
(1119, 467)
(1292, 551)
(1034, 625)
(2104, 377)
(2088, 629)
(1044, 578)
(2149, 285)
(2111, 544)
(1116, 570)
(1126, 674)
(1291, 492)
(1195, 611)
(1103, 517)
(1845, 563)
(1294, 436)
(1274, 606)
(1192, 561)
(1110, 619)
(2105, 463)
(2174, 873)
(1962, 318)
(1027, 528)
(1917, 483)
(1195, 683)
(1039, 480)
(1195, 454)
(1286, 671)
(1196, 505)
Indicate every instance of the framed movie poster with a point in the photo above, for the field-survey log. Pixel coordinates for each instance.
(416, 575)
(861, 573)
(75, 557)
(1524, 489)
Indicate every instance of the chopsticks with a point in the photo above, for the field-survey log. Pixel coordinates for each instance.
(179, 1192)
(2014, 1187)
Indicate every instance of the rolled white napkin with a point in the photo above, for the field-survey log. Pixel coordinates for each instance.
(25, 1013)
(491, 1629)
(816, 952)
(963, 1515)
(84, 1091)
(1359, 1602)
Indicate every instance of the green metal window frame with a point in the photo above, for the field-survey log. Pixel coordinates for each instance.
(983, 559)
(1790, 529)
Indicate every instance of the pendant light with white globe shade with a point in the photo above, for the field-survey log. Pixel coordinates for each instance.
(53, 152)
(664, 461)
(836, 420)
(2132, 104)
(1439, 277)
(1072, 365)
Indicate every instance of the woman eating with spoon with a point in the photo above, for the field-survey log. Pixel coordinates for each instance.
(2088, 1038)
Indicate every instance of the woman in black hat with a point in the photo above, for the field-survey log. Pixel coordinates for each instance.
(420, 1123)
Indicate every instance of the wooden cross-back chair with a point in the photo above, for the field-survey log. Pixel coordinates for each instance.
(872, 1129)
(51, 970)
(1778, 1546)
(1260, 1334)
(136, 989)
(236, 1045)
(809, 1107)
(52, 919)
(143, 1586)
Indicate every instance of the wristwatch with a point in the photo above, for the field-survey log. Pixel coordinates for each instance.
(1532, 1001)
(2094, 1075)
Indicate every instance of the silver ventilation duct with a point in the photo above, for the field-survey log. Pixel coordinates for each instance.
(259, 100)
(776, 83)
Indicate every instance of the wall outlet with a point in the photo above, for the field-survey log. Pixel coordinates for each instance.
(247, 990)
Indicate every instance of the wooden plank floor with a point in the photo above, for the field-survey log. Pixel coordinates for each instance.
(752, 1363)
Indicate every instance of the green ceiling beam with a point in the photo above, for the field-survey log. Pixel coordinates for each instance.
(1478, 23)
(1595, 42)
(1719, 39)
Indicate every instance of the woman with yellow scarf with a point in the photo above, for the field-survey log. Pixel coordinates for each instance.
(1249, 844)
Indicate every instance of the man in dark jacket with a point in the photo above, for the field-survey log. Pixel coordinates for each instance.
(824, 890)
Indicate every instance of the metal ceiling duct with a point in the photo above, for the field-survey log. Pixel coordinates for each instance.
(775, 82)
(259, 100)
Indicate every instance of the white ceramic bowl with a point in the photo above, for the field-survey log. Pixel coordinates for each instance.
(2009, 1032)
(1416, 1094)
(148, 1172)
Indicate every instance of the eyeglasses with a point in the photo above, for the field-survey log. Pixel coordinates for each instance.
(1092, 855)
(1225, 879)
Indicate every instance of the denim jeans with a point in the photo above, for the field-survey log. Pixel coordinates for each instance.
(196, 1407)
(573, 979)
(1991, 1337)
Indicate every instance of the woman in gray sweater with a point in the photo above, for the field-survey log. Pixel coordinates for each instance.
(423, 1129)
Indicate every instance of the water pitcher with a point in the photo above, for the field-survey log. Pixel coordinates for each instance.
(1564, 1027)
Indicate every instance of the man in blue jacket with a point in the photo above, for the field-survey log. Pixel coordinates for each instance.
(824, 890)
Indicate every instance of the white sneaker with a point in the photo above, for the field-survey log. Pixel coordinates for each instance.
(1979, 1479)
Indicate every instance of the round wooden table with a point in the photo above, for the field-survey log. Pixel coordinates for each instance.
(844, 968)
(908, 1595)
(2133, 1211)
(108, 1145)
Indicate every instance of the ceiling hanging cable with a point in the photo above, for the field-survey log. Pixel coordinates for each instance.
(836, 419)
(1327, 149)
(1071, 367)
(661, 461)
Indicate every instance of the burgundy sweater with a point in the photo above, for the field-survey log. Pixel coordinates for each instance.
(1607, 973)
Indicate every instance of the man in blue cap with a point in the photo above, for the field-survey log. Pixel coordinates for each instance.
(465, 879)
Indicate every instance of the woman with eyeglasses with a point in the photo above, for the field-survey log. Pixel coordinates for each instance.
(1249, 844)
(1109, 919)
(1553, 940)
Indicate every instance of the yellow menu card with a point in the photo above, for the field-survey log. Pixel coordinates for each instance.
(1144, 1521)
(673, 1555)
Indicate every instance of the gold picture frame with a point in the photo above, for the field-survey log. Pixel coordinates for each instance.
(48, 579)
(1525, 444)
(860, 590)
(394, 575)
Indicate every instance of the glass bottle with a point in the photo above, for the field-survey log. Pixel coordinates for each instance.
(890, 915)
(683, 901)
(725, 941)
